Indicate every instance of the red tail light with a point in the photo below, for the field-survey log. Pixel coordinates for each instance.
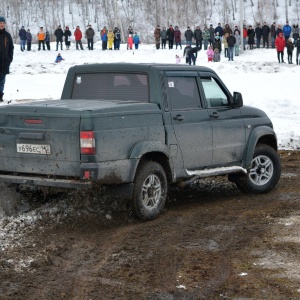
(87, 142)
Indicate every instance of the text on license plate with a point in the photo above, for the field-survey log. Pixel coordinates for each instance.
(33, 148)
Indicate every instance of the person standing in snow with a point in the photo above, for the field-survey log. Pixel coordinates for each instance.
(258, 32)
(103, 35)
(129, 42)
(59, 37)
(231, 41)
(22, 35)
(251, 35)
(110, 38)
(265, 31)
(287, 30)
(163, 36)
(90, 33)
(117, 38)
(136, 40)
(47, 40)
(198, 36)
(290, 49)
(295, 33)
(205, 36)
(41, 38)
(67, 35)
(189, 35)
(157, 36)
(7, 54)
(177, 37)
(273, 34)
(28, 39)
(78, 37)
(170, 36)
(280, 44)
(210, 53)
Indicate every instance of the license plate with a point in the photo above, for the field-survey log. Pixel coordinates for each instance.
(34, 149)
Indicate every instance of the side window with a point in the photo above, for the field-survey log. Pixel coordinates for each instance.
(214, 94)
(111, 86)
(184, 93)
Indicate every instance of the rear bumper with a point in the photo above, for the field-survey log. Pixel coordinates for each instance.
(120, 191)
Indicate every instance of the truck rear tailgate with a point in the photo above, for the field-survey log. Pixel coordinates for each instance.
(38, 139)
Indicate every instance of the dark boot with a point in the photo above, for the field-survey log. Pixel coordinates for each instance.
(1, 97)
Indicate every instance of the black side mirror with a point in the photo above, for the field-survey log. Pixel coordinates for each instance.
(237, 99)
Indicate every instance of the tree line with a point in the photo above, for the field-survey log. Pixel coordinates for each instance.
(142, 15)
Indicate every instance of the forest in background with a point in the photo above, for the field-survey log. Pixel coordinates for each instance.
(142, 15)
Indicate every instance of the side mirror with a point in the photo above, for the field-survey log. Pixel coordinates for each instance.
(237, 99)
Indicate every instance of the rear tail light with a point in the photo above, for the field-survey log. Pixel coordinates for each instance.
(87, 142)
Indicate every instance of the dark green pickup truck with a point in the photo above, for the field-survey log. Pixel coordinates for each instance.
(140, 128)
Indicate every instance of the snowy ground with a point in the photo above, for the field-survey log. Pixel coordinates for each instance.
(264, 82)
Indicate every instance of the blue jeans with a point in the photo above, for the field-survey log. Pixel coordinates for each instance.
(189, 42)
(22, 44)
(273, 37)
(258, 43)
(2, 82)
(230, 53)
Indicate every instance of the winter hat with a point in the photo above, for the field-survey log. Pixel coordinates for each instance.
(2, 19)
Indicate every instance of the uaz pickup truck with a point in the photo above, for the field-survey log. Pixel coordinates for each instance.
(139, 128)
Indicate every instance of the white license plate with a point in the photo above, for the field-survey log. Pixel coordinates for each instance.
(34, 149)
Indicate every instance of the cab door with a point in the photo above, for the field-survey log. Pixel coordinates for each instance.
(191, 122)
(228, 127)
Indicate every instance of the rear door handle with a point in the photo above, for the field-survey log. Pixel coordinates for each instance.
(178, 118)
(214, 114)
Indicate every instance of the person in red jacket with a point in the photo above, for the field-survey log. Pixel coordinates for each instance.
(280, 44)
(78, 37)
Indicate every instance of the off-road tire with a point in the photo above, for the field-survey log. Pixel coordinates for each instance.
(264, 172)
(150, 190)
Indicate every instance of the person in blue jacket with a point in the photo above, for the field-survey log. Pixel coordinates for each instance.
(219, 29)
(22, 35)
(287, 30)
(136, 40)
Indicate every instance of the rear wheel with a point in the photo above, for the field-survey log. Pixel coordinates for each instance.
(264, 172)
(150, 190)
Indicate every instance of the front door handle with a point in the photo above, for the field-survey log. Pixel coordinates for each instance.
(178, 118)
(214, 114)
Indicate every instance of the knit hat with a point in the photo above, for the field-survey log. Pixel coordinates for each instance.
(2, 19)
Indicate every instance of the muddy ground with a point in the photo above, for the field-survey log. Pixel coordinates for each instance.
(211, 242)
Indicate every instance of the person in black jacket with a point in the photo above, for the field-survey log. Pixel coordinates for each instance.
(251, 35)
(231, 41)
(258, 35)
(6, 54)
(198, 37)
(170, 36)
(59, 37)
(67, 35)
(265, 31)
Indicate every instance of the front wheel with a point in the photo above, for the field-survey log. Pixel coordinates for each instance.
(150, 190)
(264, 172)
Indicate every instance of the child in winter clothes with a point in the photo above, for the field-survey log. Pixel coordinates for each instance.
(59, 58)
(210, 53)
(290, 49)
(280, 45)
(217, 56)
(110, 38)
(136, 40)
(129, 42)
(178, 59)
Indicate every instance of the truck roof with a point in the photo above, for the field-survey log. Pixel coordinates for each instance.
(138, 67)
